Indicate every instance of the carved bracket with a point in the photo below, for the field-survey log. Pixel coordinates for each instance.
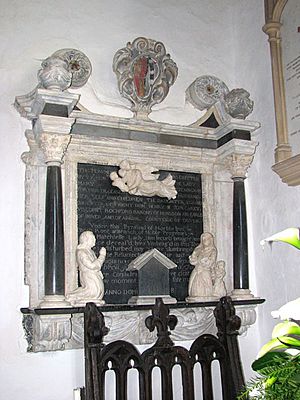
(61, 332)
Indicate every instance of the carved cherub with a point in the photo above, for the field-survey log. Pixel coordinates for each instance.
(219, 289)
(139, 180)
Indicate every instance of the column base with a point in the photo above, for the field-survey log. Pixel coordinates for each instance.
(151, 299)
(241, 294)
(55, 301)
(200, 299)
(82, 303)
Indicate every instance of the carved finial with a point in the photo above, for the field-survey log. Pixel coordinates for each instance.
(207, 91)
(78, 64)
(145, 73)
(65, 68)
(238, 103)
(54, 74)
(94, 324)
(228, 323)
(161, 320)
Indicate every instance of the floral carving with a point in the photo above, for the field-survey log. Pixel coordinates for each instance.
(205, 91)
(145, 73)
(54, 146)
(238, 103)
(65, 68)
(239, 164)
(78, 65)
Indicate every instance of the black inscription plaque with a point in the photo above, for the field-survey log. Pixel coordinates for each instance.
(129, 225)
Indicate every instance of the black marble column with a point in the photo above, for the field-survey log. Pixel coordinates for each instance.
(240, 236)
(54, 234)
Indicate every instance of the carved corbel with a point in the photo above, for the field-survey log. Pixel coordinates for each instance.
(47, 333)
(247, 315)
(33, 157)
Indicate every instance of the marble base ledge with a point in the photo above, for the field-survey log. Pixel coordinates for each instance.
(62, 328)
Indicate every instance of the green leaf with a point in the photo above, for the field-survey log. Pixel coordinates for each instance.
(271, 358)
(279, 344)
(289, 341)
(289, 235)
(286, 328)
(272, 345)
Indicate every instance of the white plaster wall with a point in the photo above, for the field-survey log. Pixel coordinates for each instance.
(272, 205)
(222, 38)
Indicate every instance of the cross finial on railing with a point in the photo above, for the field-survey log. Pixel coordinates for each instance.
(161, 320)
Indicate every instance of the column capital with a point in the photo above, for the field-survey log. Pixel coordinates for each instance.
(239, 164)
(272, 29)
(236, 157)
(52, 135)
(54, 147)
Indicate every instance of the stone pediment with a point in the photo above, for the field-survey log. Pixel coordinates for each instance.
(150, 255)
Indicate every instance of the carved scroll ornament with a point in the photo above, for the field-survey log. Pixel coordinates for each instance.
(207, 90)
(145, 73)
(64, 69)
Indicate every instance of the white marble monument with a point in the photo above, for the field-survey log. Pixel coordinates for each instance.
(206, 282)
(68, 134)
(91, 278)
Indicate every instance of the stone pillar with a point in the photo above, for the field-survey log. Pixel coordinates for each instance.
(239, 166)
(49, 107)
(283, 149)
(54, 145)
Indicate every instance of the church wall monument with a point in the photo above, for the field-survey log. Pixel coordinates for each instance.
(134, 185)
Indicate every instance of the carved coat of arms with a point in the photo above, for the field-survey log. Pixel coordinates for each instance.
(145, 73)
